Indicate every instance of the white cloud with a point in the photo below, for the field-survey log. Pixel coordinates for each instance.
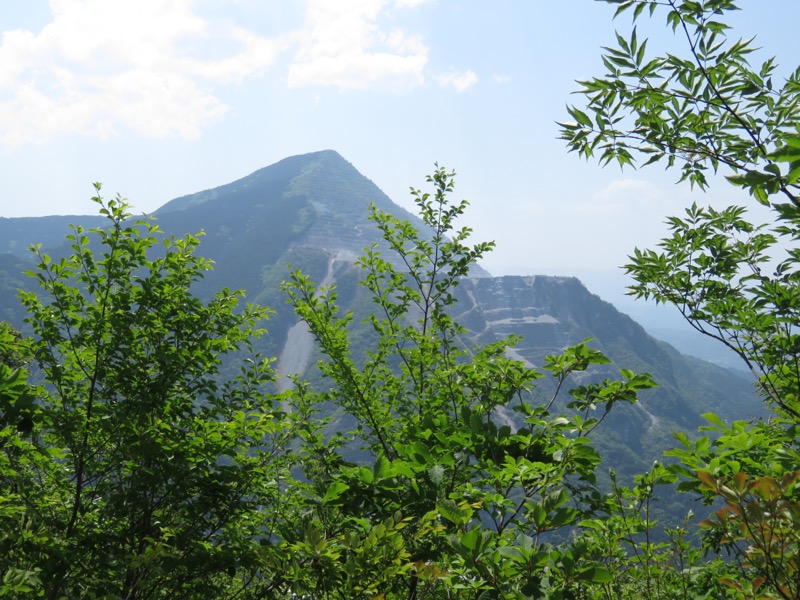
(629, 194)
(629, 189)
(344, 46)
(156, 66)
(102, 64)
(460, 81)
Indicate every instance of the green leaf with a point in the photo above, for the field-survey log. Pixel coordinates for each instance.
(785, 154)
(335, 489)
(580, 116)
(381, 469)
(595, 575)
(793, 176)
(452, 512)
(471, 540)
(792, 140)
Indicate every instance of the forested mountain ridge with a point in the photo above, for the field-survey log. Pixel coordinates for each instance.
(550, 313)
(153, 443)
(18, 233)
(311, 211)
(316, 200)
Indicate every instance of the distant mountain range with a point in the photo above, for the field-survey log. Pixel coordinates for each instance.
(310, 211)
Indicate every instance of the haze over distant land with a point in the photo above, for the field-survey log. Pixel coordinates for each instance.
(92, 91)
(309, 211)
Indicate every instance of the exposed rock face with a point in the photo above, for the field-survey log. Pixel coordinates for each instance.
(549, 313)
(552, 313)
(532, 307)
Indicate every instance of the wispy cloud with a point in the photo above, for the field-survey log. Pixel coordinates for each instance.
(343, 45)
(637, 190)
(623, 195)
(101, 64)
(460, 81)
(157, 68)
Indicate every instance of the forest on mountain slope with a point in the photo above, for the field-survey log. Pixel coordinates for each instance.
(147, 467)
(310, 212)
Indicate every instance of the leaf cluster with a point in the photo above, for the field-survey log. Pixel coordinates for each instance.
(707, 110)
(731, 279)
(475, 482)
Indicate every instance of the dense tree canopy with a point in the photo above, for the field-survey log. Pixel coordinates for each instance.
(734, 280)
(145, 454)
(140, 471)
(146, 466)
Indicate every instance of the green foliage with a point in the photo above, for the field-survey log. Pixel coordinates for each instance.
(146, 467)
(708, 110)
(714, 269)
(464, 502)
(700, 112)
(622, 537)
(18, 458)
(144, 472)
(141, 469)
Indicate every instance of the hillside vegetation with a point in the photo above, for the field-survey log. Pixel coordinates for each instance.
(157, 460)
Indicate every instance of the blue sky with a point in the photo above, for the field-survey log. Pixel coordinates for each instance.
(160, 98)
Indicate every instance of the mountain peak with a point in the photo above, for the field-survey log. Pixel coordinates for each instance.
(272, 177)
(317, 201)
